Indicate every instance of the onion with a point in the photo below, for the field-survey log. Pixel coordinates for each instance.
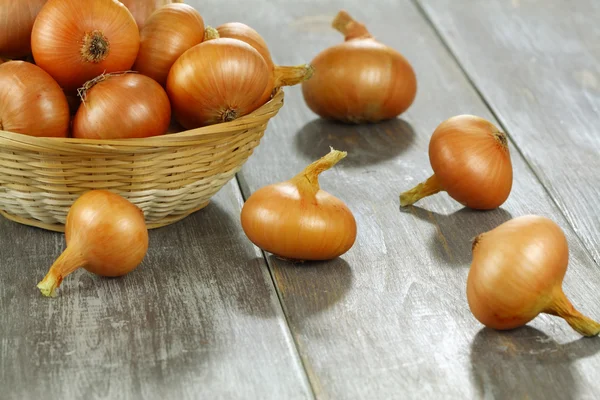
(297, 220)
(31, 102)
(280, 75)
(517, 273)
(16, 22)
(167, 34)
(470, 161)
(105, 234)
(143, 9)
(360, 80)
(215, 81)
(75, 41)
(122, 106)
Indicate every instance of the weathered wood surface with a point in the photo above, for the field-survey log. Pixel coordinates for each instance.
(198, 319)
(537, 64)
(390, 319)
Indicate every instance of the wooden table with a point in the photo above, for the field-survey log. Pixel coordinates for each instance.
(209, 316)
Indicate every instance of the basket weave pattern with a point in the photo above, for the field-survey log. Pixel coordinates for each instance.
(168, 177)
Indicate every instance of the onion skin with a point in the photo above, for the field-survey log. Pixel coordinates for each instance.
(16, 23)
(76, 41)
(471, 161)
(168, 33)
(296, 220)
(360, 80)
(218, 80)
(122, 106)
(105, 234)
(31, 102)
(517, 273)
(143, 9)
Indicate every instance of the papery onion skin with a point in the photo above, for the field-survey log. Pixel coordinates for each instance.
(296, 220)
(243, 32)
(517, 273)
(216, 81)
(168, 33)
(143, 9)
(16, 23)
(105, 234)
(471, 161)
(76, 41)
(31, 102)
(360, 80)
(123, 106)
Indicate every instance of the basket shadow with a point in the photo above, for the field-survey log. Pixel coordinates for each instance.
(366, 144)
(527, 364)
(454, 233)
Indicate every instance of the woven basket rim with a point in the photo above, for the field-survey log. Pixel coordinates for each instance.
(256, 118)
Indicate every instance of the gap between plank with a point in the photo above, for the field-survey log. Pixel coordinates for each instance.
(488, 105)
(244, 190)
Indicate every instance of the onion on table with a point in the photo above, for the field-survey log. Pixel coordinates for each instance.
(517, 273)
(471, 162)
(31, 102)
(105, 234)
(360, 80)
(122, 106)
(76, 41)
(143, 9)
(16, 22)
(297, 220)
(167, 34)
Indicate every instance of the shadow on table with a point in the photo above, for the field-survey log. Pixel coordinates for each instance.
(366, 144)
(527, 364)
(455, 232)
(308, 288)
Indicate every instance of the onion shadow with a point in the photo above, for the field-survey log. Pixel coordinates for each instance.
(454, 233)
(525, 363)
(368, 144)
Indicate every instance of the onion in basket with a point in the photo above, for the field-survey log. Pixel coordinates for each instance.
(168, 33)
(218, 80)
(75, 41)
(31, 102)
(143, 9)
(280, 75)
(122, 105)
(16, 22)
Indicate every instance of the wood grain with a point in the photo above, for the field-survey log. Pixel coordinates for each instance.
(538, 66)
(389, 319)
(198, 319)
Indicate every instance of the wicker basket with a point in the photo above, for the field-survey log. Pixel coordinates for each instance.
(168, 177)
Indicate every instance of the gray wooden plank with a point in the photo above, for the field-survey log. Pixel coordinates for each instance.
(538, 66)
(198, 319)
(390, 319)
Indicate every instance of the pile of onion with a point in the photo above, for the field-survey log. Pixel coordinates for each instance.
(470, 161)
(105, 234)
(517, 273)
(360, 80)
(297, 220)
